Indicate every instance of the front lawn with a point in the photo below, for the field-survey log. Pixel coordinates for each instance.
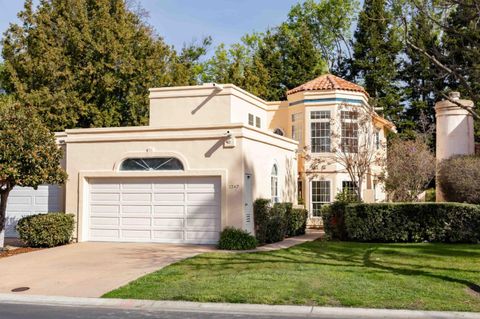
(411, 276)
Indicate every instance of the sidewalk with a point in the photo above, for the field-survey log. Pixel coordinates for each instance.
(286, 243)
(224, 308)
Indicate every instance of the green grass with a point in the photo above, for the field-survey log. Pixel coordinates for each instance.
(411, 276)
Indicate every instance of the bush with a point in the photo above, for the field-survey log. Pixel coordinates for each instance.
(236, 239)
(261, 214)
(333, 215)
(274, 223)
(296, 219)
(409, 222)
(459, 179)
(46, 230)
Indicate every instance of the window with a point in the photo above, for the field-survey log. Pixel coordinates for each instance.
(279, 131)
(300, 191)
(377, 139)
(320, 131)
(297, 126)
(320, 196)
(274, 184)
(151, 164)
(349, 141)
(349, 186)
(258, 122)
(251, 119)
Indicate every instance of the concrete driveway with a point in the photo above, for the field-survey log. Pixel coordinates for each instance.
(88, 269)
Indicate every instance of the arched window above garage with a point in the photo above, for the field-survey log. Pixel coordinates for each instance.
(152, 164)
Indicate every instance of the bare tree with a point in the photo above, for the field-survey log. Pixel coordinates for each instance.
(410, 169)
(355, 146)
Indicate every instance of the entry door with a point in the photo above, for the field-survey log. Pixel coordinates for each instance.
(248, 209)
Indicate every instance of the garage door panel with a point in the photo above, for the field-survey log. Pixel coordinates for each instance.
(166, 209)
(104, 233)
(140, 235)
(169, 235)
(169, 197)
(105, 197)
(174, 223)
(133, 197)
(136, 221)
(104, 221)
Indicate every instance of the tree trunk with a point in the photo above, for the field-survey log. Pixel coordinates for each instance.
(3, 213)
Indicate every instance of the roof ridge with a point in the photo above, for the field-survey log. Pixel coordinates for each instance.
(327, 82)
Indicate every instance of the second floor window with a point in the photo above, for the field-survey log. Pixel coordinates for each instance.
(349, 138)
(297, 125)
(258, 122)
(320, 131)
(251, 119)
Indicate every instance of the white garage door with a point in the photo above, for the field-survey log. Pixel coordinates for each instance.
(167, 209)
(24, 201)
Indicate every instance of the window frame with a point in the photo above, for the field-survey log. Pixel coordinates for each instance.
(275, 198)
(349, 143)
(251, 119)
(146, 166)
(315, 212)
(321, 131)
(297, 126)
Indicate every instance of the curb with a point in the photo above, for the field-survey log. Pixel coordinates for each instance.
(228, 308)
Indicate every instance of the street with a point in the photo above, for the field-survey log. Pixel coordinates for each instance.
(25, 311)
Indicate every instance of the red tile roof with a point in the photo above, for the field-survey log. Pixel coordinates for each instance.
(328, 82)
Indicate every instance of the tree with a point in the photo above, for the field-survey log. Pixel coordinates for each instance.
(410, 169)
(421, 82)
(353, 146)
(29, 155)
(375, 51)
(89, 63)
(456, 57)
(459, 179)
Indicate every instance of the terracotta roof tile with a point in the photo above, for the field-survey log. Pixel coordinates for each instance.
(328, 82)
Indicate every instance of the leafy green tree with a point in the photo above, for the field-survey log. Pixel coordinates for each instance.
(29, 155)
(89, 63)
(375, 52)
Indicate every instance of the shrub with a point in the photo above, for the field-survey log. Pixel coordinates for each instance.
(261, 209)
(459, 179)
(413, 222)
(46, 230)
(296, 219)
(236, 239)
(274, 223)
(333, 215)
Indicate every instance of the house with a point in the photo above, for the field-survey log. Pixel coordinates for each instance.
(208, 152)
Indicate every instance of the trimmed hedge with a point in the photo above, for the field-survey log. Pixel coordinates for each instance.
(274, 223)
(459, 179)
(236, 239)
(405, 222)
(46, 230)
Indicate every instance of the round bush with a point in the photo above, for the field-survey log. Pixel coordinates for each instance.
(236, 239)
(46, 230)
(459, 179)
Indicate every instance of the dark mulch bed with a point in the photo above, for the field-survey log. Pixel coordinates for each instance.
(12, 252)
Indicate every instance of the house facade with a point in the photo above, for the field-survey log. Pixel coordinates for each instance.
(208, 152)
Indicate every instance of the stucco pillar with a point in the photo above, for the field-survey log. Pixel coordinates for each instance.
(454, 131)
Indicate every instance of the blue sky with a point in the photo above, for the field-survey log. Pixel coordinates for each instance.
(182, 21)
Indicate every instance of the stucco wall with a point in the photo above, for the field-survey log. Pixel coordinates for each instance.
(99, 152)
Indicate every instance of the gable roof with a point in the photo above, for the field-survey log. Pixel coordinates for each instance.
(328, 82)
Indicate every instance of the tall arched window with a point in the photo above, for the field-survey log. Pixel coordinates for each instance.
(152, 164)
(274, 183)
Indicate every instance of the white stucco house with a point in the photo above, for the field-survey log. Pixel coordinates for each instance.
(208, 152)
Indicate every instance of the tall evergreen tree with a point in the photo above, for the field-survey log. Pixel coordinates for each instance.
(85, 63)
(421, 84)
(375, 53)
